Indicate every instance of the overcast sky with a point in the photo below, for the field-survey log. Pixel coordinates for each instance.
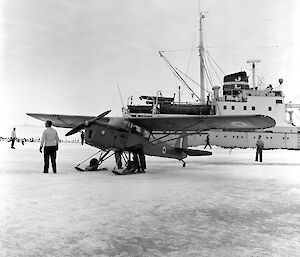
(67, 56)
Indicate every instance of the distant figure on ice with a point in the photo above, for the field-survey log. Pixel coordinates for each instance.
(82, 137)
(259, 149)
(50, 142)
(207, 142)
(13, 138)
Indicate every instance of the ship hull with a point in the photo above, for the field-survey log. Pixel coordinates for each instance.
(229, 139)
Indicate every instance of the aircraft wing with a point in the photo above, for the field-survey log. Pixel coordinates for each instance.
(62, 121)
(201, 123)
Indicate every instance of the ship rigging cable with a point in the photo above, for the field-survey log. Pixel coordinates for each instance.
(209, 60)
(176, 74)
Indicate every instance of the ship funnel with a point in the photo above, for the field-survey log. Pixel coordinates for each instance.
(216, 92)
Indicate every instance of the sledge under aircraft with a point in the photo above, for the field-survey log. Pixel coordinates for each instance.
(134, 137)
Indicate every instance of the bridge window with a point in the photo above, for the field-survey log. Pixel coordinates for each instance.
(253, 108)
(232, 107)
(225, 107)
(245, 108)
(270, 108)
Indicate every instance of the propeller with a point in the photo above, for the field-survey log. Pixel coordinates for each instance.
(87, 123)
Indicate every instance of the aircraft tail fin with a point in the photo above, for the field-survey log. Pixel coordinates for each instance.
(182, 144)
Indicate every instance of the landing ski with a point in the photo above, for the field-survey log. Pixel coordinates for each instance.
(126, 172)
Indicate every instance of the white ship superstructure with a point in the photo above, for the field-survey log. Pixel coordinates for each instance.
(238, 98)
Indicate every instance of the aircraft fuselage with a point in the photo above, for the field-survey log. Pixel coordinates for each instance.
(125, 140)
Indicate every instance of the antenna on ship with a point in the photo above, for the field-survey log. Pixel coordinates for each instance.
(201, 55)
(253, 61)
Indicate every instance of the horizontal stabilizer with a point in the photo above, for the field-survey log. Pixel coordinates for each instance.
(194, 152)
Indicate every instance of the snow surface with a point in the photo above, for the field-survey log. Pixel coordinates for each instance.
(219, 205)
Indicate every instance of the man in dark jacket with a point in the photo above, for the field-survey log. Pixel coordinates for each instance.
(259, 149)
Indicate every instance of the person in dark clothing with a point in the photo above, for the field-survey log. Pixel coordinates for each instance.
(139, 160)
(136, 161)
(259, 149)
(142, 160)
(13, 138)
(118, 158)
(207, 142)
(82, 137)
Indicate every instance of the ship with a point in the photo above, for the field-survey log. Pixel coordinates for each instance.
(237, 96)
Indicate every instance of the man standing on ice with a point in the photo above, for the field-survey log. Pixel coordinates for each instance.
(259, 149)
(13, 138)
(50, 142)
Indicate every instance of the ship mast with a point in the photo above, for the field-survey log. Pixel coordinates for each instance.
(253, 70)
(201, 55)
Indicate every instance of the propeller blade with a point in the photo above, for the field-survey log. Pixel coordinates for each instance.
(100, 116)
(87, 123)
(76, 129)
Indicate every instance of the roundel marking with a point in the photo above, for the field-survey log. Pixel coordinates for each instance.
(239, 124)
(164, 149)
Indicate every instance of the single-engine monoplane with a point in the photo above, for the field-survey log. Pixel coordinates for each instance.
(131, 138)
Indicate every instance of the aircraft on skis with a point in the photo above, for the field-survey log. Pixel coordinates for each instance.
(131, 138)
